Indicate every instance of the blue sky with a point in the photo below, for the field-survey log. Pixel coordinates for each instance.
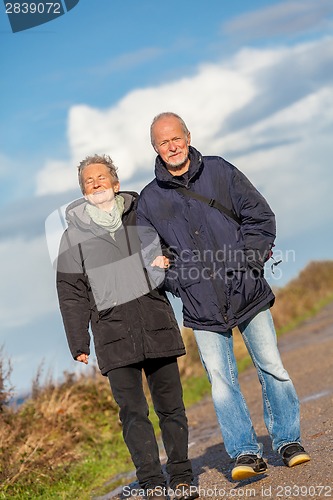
(253, 81)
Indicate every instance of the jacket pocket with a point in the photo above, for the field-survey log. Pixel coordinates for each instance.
(111, 314)
(111, 326)
(159, 317)
(246, 288)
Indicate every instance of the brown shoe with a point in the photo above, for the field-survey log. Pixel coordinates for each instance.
(294, 454)
(247, 466)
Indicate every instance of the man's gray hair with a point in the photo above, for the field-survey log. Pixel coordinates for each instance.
(167, 114)
(102, 159)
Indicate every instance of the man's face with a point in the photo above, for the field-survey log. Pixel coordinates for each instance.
(171, 143)
(99, 186)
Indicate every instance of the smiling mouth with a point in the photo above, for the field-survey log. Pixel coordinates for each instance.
(98, 192)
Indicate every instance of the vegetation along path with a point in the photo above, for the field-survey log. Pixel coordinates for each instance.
(307, 353)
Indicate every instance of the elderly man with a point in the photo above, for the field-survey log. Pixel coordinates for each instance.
(219, 231)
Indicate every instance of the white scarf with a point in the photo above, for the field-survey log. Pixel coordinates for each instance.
(111, 221)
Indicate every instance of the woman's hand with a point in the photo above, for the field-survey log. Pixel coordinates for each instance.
(83, 358)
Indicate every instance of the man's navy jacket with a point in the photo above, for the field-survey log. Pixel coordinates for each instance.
(216, 263)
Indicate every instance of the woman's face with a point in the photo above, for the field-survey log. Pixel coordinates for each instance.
(99, 186)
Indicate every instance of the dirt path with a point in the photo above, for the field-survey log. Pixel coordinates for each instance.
(307, 353)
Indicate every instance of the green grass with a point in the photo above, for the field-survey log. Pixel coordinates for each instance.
(107, 458)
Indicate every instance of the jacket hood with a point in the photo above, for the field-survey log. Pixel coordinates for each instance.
(78, 216)
(163, 176)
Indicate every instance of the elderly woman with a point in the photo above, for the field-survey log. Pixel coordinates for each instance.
(102, 283)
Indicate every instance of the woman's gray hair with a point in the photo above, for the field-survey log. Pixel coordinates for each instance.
(167, 114)
(104, 160)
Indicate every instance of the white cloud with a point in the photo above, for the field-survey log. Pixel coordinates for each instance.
(310, 116)
(123, 130)
(295, 171)
(265, 110)
(56, 177)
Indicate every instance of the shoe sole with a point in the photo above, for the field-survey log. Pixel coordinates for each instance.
(243, 472)
(299, 459)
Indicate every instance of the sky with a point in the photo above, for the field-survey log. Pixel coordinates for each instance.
(253, 81)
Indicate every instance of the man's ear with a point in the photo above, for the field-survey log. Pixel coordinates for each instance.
(189, 138)
(116, 187)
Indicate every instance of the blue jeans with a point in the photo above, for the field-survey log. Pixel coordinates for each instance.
(280, 401)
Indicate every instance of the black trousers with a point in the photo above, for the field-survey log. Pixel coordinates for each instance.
(166, 391)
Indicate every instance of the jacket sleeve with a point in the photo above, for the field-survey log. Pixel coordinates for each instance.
(72, 289)
(152, 246)
(258, 226)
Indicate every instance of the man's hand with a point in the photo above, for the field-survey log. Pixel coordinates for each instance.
(83, 358)
(161, 261)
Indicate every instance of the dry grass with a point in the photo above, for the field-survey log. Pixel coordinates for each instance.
(49, 429)
(303, 295)
(5, 386)
(190, 365)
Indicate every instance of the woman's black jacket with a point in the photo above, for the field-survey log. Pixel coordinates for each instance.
(102, 283)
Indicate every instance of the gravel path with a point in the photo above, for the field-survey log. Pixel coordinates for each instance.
(307, 353)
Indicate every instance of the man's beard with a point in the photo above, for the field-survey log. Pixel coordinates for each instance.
(177, 166)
